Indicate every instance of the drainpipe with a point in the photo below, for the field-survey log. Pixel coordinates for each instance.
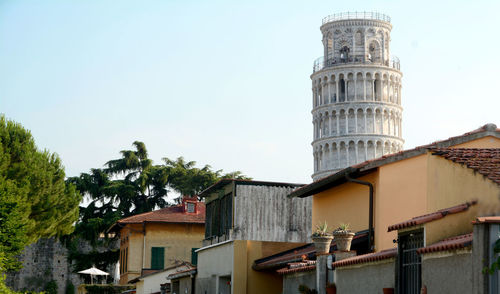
(370, 213)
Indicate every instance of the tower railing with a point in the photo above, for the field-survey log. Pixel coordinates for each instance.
(320, 63)
(357, 15)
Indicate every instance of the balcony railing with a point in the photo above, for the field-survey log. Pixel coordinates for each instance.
(320, 63)
(357, 15)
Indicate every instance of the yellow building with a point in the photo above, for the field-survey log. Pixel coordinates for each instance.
(405, 184)
(155, 240)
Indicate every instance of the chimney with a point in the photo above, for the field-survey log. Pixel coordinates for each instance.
(190, 204)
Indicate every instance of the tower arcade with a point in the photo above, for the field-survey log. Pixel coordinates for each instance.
(356, 85)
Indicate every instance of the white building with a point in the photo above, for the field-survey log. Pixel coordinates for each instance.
(356, 93)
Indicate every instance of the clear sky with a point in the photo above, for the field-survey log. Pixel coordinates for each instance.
(226, 83)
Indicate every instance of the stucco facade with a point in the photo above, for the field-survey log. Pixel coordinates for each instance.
(366, 278)
(410, 187)
(177, 239)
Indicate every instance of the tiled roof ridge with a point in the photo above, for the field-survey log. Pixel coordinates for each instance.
(452, 243)
(422, 219)
(487, 219)
(147, 213)
(485, 161)
(365, 258)
(294, 267)
(487, 128)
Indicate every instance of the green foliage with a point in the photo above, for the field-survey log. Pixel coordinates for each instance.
(128, 186)
(344, 227)
(35, 201)
(106, 289)
(321, 230)
(70, 288)
(51, 287)
(303, 289)
(496, 264)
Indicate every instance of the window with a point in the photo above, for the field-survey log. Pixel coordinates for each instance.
(157, 257)
(190, 207)
(194, 256)
(219, 216)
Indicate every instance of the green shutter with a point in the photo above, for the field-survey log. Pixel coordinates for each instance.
(194, 256)
(157, 257)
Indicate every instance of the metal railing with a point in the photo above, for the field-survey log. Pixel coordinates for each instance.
(320, 63)
(356, 15)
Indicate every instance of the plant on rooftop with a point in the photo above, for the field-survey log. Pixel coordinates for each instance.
(322, 238)
(303, 289)
(343, 237)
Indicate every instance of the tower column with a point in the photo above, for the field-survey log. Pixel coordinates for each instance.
(364, 87)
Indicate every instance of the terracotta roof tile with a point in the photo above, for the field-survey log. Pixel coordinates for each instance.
(487, 219)
(298, 254)
(431, 216)
(183, 273)
(370, 257)
(306, 265)
(453, 243)
(329, 180)
(484, 161)
(172, 214)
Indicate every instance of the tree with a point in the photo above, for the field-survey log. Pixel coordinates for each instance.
(186, 179)
(35, 201)
(127, 186)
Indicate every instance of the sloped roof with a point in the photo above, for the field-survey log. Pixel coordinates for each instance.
(184, 273)
(453, 243)
(304, 266)
(224, 182)
(485, 161)
(300, 253)
(365, 167)
(487, 219)
(370, 257)
(422, 219)
(172, 214)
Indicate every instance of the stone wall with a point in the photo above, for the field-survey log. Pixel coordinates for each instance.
(44, 261)
(366, 278)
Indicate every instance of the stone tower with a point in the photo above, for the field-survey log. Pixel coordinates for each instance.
(356, 93)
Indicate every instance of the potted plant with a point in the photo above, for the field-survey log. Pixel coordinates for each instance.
(343, 237)
(331, 288)
(322, 239)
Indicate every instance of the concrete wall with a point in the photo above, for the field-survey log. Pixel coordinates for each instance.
(265, 213)
(447, 272)
(292, 281)
(367, 278)
(234, 260)
(177, 239)
(214, 262)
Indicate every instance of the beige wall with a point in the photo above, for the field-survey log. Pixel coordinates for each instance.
(451, 184)
(177, 239)
(400, 195)
(347, 203)
(486, 142)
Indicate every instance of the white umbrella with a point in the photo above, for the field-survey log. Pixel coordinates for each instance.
(93, 271)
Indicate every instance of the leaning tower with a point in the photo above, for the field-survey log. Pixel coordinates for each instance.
(356, 93)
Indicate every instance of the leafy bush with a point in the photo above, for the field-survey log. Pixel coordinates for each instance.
(70, 288)
(51, 287)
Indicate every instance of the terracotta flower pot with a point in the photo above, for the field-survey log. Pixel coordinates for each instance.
(343, 240)
(331, 290)
(322, 243)
(388, 290)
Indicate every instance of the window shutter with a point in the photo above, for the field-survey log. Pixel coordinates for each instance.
(157, 257)
(194, 256)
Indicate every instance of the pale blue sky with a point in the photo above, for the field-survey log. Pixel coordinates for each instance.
(226, 83)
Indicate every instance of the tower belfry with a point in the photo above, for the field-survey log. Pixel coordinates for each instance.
(356, 93)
